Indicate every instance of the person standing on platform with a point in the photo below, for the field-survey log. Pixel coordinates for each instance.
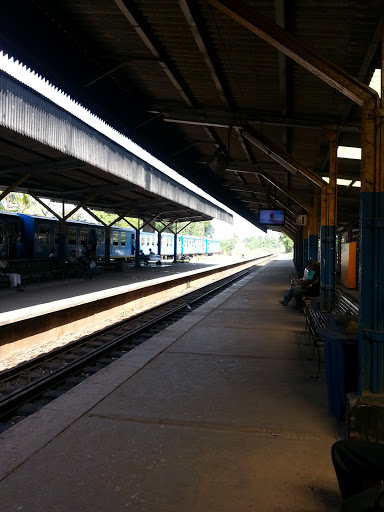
(19, 249)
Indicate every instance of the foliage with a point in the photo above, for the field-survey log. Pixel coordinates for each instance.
(228, 246)
(286, 241)
(21, 203)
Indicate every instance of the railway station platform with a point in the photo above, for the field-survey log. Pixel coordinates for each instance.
(217, 413)
(64, 309)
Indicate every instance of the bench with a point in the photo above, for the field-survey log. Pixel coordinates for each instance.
(316, 319)
(35, 271)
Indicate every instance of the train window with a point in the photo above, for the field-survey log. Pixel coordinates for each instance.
(72, 238)
(84, 236)
(99, 239)
(56, 236)
(1, 232)
(123, 237)
(115, 238)
(43, 238)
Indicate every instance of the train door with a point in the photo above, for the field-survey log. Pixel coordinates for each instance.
(123, 243)
(133, 245)
(93, 241)
(100, 247)
(12, 234)
(42, 246)
(180, 244)
(114, 243)
(56, 240)
(71, 240)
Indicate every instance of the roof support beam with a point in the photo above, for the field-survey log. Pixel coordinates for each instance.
(151, 47)
(305, 56)
(280, 20)
(220, 119)
(279, 155)
(70, 163)
(83, 203)
(45, 206)
(288, 193)
(13, 186)
(203, 49)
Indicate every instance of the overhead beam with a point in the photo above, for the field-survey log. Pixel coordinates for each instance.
(51, 166)
(152, 48)
(305, 56)
(203, 50)
(282, 60)
(13, 186)
(282, 157)
(237, 119)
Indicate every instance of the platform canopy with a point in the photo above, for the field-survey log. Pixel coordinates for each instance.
(49, 153)
(223, 91)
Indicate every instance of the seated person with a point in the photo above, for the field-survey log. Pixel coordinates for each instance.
(14, 277)
(80, 265)
(84, 267)
(310, 289)
(144, 257)
(95, 270)
(359, 467)
(309, 273)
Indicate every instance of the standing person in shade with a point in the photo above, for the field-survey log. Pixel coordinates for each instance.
(52, 260)
(14, 277)
(19, 249)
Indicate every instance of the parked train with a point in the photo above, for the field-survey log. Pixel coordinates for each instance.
(40, 234)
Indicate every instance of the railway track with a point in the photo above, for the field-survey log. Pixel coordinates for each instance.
(33, 384)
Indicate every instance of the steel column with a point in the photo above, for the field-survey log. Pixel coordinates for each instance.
(328, 227)
(371, 268)
(313, 237)
(175, 246)
(305, 247)
(159, 243)
(62, 244)
(107, 243)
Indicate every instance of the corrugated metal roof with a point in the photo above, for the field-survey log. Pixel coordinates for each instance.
(181, 79)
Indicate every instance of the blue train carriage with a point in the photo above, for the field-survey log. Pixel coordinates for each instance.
(41, 234)
(122, 243)
(212, 246)
(191, 245)
(167, 244)
(148, 241)
(10, 232)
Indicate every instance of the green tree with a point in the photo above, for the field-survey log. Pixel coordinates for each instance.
(22, 203)
(286, 241)
(108, 218)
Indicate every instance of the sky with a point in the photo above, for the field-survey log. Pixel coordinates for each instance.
(223, 231)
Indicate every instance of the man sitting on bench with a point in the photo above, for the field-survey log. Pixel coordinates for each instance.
(300, 283)
(311, 289)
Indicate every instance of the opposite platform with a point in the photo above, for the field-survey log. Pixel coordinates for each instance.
(215, 413)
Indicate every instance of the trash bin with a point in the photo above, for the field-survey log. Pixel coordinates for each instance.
(340, 354)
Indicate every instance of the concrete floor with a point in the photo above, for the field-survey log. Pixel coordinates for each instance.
(217, 413)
